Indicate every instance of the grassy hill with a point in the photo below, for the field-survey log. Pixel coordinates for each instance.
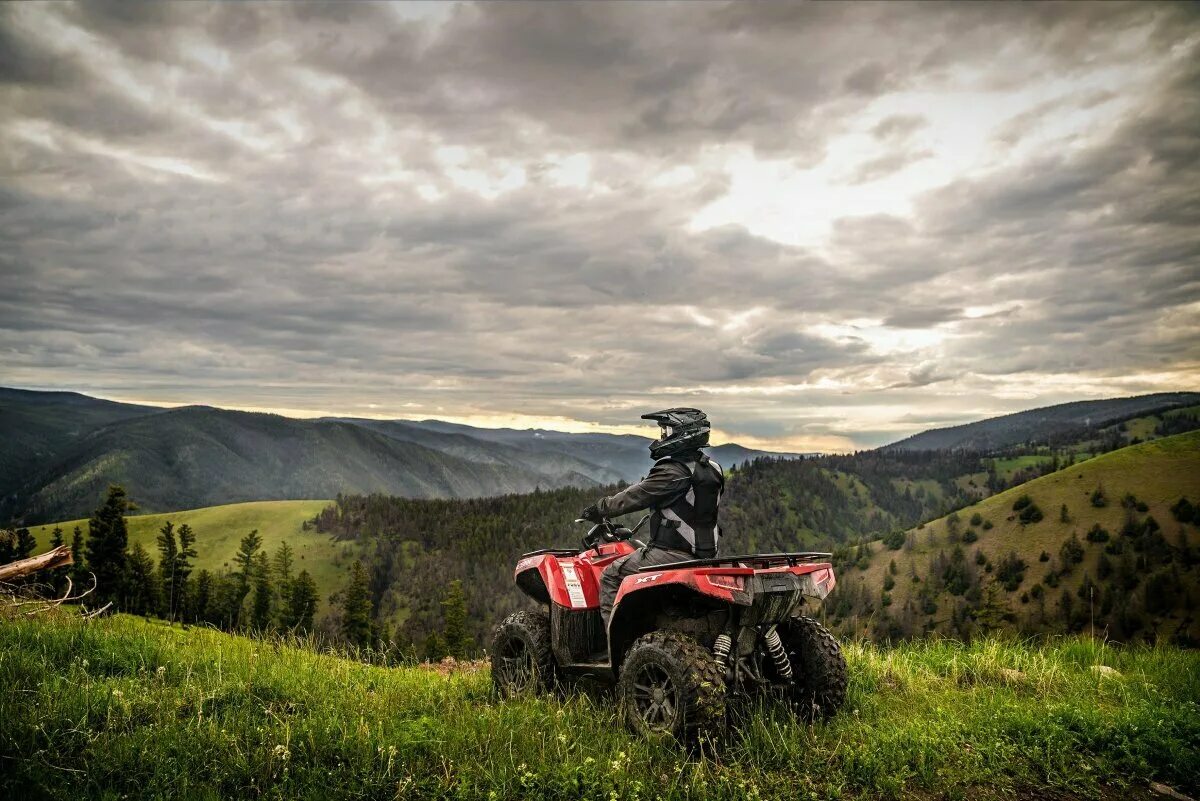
(219, 529)
(1150, 574)
(125, 708)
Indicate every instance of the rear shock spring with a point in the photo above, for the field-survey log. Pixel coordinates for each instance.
(721, 648)
(779, 656)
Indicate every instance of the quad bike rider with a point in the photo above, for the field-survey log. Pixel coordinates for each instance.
(684, 636)
(684, 490)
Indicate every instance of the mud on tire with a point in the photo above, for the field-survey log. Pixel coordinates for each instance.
(819, 668)
(522, 661)
(670, 684)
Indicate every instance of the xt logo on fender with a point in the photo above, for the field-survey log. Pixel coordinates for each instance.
(651, 577)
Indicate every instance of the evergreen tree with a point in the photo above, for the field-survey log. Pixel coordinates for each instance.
(26, 544)
(454, 609)
(435, 647)
(107, 541)
(79, 567)
(183, 570)
(200, 602)
(8, 546)
(302, 603)
(356, 608)
(58, 576)
(282, 562)
(244, 576)
(281, 567)
(143, 590)
(260, 610)
(168, 548)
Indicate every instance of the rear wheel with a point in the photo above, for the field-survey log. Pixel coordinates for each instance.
(669, 684)
(522, 661)
(818, 667)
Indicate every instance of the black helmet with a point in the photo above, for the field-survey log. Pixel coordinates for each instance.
(681, 430)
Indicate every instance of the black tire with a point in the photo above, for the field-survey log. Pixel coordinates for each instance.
(522, 661)
(818, 667)
(670, 684)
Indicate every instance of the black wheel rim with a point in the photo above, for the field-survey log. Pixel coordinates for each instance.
(655, 697)
(516, 664)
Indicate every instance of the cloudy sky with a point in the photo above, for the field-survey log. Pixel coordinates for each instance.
(827, 225)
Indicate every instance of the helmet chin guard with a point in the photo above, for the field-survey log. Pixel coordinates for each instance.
(680, 430)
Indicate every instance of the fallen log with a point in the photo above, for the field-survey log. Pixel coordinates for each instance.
(59, 557)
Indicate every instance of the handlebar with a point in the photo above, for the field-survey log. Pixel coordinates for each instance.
(607, 531)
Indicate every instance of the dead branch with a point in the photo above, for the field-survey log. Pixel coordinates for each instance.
(97, 612)
(39, 605)
(59, 557)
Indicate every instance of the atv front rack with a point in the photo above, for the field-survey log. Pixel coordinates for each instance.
(553, 552)
(759, 559)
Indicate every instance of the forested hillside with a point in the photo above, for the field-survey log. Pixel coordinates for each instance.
(1111, 543)
(1049, 425)
(197, 456)
(37, 427)
(59, 451)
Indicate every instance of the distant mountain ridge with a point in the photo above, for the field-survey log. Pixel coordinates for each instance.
(1039, 424)
(59, 450)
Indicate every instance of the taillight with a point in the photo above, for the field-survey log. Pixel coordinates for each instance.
(729, 582)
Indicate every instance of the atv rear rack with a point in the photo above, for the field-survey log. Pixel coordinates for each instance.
(763, 559)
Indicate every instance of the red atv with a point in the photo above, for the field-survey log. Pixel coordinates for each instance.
(683, 637)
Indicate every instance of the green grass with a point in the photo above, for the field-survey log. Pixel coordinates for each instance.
(122, 707)
(219, 529)
(1007, 466)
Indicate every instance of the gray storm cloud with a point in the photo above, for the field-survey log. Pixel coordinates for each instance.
(511, 211)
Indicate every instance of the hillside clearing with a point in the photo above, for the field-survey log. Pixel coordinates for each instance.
(137, 709)
(219, 529)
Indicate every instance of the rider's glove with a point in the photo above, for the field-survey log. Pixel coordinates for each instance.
(591, 513)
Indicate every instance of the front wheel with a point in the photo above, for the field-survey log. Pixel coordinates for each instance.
(818, 667)
(669, 684)
(522, 661)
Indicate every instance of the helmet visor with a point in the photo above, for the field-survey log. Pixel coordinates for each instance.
(665, 431)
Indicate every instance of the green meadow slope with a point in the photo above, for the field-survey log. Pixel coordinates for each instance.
(1143, 570)
(219, 530)
(124, 708)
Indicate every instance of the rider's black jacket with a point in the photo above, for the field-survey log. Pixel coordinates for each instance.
(684, 493)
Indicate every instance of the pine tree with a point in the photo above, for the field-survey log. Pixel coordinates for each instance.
(8, 546)
(143, 590)
(79, 567)
(106, 544)
(260, 609)
(168, 548)
(435, 647)
(58, 576)
(302, 603)
(281, 567)
(454, 609)
(245, 574)
(356, 608)
(26, 544)
(183, 570)
(200, 602)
